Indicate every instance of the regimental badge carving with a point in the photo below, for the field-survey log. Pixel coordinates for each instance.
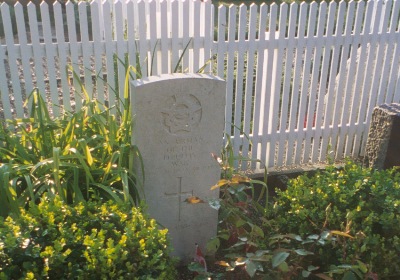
(182, 113)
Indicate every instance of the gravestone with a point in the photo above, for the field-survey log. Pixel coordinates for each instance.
(383, 150)
(178, 123)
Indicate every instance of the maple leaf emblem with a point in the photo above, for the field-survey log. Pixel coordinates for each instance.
(182, 114)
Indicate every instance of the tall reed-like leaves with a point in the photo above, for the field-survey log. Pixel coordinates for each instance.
(81, 155)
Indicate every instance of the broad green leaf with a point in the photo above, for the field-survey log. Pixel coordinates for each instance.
(312, 268)
(303, 252)
(251, 268)
(212, 245)
(279, 258)
(258, 231)
(349, 276)
(313, 236)
(109, 191)
(261, 252)
(239, 222)
(362, 267)
(284, 267)
(305, 273)
(323, 276)
(196, 267)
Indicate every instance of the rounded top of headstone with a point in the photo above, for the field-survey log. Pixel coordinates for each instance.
(174, 76)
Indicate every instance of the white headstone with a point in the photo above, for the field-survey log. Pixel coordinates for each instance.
(179, 122)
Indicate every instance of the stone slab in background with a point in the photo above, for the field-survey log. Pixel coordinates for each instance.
(179, 122)
(383, 144)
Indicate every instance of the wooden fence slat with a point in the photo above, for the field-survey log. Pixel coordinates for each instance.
(371, 79)
(395, 83)
(154, 62)
(265, 146)
(287, 81)
(131, 24)
(120, 52)
(86, 48)
(342, 100)
(238, 94)
(74, 57)
(396, 97)
(351, 84)
(195, 54)
(274, 115)
(208, 33)
(50, 55)
(97, 51)
(4, 92)
(381, 56)
(230, 69)
(200, 37)
(12, 62)
(259, 81)
(330, 97)
(384, 92)
(321, 71)
(362, 76)
(175, 18)
(221, 43)
(185, 23)
(143, 62)
(165, 54)
(304, 84)
(295, 97)
(25, 50)
(110, 57)
(37, 53)
(309, 118)
(248, 94)
(62, 57)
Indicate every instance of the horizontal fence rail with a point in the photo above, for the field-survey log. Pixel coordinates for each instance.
(302, 80)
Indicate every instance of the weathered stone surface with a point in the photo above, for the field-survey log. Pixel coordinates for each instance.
(178, 124)
(383, 149)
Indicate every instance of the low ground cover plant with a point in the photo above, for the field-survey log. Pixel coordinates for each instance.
(339, 223)
(91, 240)
(362, 202)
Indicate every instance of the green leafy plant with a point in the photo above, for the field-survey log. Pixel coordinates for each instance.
(252, 240)
(80, 155)
(95, 239)
(361, 202)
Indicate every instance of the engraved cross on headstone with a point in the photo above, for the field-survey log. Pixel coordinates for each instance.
(179, 195)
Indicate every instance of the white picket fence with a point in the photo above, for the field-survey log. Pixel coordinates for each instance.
(302, 80)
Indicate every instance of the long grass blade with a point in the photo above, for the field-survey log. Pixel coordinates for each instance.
(108, 191)
(152, 58)
(56, 172)
(181, 57)
(75, 186)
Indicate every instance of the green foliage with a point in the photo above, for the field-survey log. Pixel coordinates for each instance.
(80, 155)
(361, 202)
(254, 240)
(103, 240)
